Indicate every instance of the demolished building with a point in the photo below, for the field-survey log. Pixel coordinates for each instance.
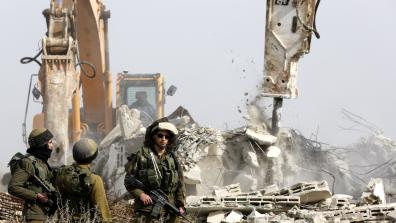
(252, 157)
(236, 174)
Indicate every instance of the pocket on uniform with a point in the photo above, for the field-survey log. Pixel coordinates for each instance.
(153, 179)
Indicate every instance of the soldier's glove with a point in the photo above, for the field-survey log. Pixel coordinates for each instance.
(42, 198)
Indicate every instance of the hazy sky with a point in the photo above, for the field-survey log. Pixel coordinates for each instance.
(213, 51)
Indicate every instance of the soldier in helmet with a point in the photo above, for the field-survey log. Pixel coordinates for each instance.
(26, 169)
(82, 191)
(156, 166)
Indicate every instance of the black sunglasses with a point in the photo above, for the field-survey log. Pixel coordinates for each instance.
(159, 135)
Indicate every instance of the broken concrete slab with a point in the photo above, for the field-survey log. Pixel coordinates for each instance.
(193, 175)
(247, 181)
(374, 193)
(392, 215)
(216, 217)
(270, 190)
(249, 156)
(340, 201)
(129, 121)
(113, 135)
(273, 152)
(228, 190)
(242, 203)
(261, 137)
(257, 217)
(234, 217)
(318, 218)
(309, 192)
(369, 213)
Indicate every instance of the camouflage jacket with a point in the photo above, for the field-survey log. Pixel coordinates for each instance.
(22, 186)
(140, 166)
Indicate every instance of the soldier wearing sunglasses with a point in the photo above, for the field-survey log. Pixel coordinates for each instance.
(156, 166)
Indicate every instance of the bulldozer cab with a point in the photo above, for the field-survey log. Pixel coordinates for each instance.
(144, 92)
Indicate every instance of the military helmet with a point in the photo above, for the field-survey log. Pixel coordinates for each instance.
(85, 150)
(165, 126)
(39, 137)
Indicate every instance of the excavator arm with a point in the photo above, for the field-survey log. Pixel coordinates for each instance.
(75, 44)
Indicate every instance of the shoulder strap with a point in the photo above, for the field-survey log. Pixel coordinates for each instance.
(177, 163)
(146, 151)
(34, 161)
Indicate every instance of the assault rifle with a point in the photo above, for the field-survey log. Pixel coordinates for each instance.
(158, 196)
(51, 193)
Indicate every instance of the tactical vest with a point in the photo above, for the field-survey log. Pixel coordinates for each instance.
(168, 168)
(73, 183)
(41, 172)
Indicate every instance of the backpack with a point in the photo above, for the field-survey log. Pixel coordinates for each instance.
(38, 170)
(73, 184)
(73, 181)
(14, 160)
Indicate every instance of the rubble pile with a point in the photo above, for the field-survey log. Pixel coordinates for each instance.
(253, 157)
(191, 141)
(257, 206)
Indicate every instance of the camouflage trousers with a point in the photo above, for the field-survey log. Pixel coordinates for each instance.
(145, 217)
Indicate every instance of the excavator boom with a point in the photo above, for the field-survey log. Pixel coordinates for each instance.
(76, 41)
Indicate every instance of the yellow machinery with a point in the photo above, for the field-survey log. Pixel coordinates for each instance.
(74, 77)
(129, 85)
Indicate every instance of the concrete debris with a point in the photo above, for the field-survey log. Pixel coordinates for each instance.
(374, 193)
(229, 190)
(309, 192)
(318, 218)
(193, 145)
(340, 201)
(193, 176)
(281, 208)
(216, 217)
(254, 158)
(260, 136)
(281, 218)
(129, 121)
(128, 126)
(205, 204)
(113, 135)
(273, 152)
(233, 217)
(392, 215)
(354, 214)
(257, 217)
(270, 190)
(250, 158)
(183, 122)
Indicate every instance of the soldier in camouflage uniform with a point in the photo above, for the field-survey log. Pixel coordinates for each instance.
(81, 189)
(23, 170)
(156, 166)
